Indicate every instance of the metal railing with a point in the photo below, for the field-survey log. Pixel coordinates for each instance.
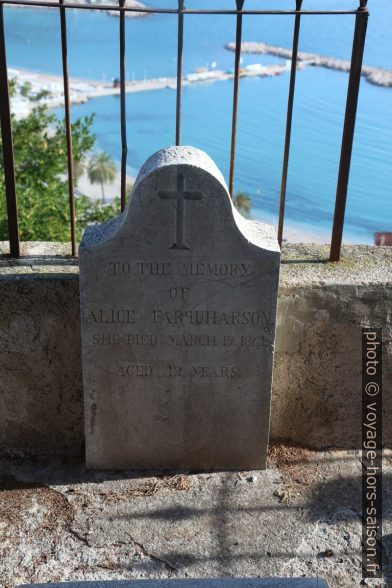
(361, 17)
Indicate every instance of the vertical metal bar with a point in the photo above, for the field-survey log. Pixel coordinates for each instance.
(180, 49)
(289, 118)
(8, 148)
(361, 20)
(238, 40)
(68, 127)
(124, 147)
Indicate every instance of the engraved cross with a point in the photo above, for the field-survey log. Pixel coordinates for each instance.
(181, 196)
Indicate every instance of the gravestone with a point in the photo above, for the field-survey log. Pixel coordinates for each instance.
(178, 308)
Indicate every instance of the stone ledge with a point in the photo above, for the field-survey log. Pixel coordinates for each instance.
(316, 398)
(309, 265)
(38, 259)
(302, 263)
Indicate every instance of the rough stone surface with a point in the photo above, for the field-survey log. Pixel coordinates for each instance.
(178, 308)
(317, 372)
(41, 391)
(201, 583)
(299, 517)
(316, 397)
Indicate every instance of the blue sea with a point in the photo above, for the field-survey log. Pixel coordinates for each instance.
(33, 43)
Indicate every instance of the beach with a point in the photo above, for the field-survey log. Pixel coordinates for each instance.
(94, 192)
(82, 90)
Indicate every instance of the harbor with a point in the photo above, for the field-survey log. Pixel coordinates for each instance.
(49, 89)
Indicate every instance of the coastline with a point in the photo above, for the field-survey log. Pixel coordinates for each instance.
(374, 75)
(129, 3)
(295, 233)
(82, 90)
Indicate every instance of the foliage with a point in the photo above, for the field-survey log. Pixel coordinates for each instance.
(26, 89)
(243, 203)
(40, 157)
(96, 211)
(12, 86)
(102, 170)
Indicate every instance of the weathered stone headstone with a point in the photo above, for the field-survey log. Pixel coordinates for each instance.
(178, 306)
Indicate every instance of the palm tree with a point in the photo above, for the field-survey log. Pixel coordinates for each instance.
(79, 166)
(243, 203)
(102, 170)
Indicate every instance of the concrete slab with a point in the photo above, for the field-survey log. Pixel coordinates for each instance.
(299, 518)
(199, 583)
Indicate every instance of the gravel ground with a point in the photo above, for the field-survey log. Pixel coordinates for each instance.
(300, 517)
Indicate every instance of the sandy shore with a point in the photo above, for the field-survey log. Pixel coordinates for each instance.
(84, 90)
(374, 75)
(94, 192)
(296, 233)
(80, 90)
(292, 234)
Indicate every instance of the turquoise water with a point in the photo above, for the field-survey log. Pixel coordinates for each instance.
(319, 103)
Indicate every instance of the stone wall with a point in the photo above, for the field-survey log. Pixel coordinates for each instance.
(316, 397)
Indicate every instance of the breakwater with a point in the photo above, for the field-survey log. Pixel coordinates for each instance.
(374, 75)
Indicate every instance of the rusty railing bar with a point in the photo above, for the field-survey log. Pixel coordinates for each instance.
(124, 147)
(173, 10)
(180, 51)
(237, 59)
(289, 119)
(68, 127)
(8, 148)
(348, 129)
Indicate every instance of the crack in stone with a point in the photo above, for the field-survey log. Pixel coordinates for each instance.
(166, 563)
(79, 536)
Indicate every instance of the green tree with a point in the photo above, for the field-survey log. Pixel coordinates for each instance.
(102, 170)
(243, 203)
(40, 158)
(95, 211)
(79, 168)
(25, 89)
